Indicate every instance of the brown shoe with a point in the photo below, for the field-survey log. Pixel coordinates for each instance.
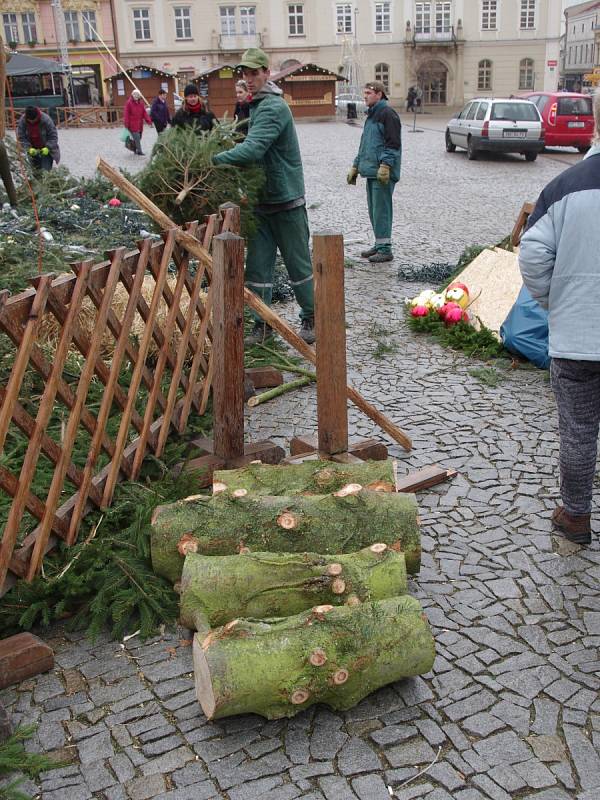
(576, 528)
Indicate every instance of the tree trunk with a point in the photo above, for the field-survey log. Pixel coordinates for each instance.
(330, 524)
(6, 176)
(217, 589)
(309, 477)
(326, 655)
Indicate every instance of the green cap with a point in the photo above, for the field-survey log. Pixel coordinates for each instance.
(254, 58)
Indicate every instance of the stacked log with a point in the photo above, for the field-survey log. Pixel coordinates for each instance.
(217, 589)
(326, 655)
(226, 524)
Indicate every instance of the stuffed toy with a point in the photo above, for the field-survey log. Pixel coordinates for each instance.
(457, 293)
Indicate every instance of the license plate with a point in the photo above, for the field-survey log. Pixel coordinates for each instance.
(576, 124)
(514, 134)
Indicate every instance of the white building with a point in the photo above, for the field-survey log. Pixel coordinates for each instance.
(454, 49)
(582, 29)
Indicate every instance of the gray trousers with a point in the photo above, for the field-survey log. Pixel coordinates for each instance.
(576, 386)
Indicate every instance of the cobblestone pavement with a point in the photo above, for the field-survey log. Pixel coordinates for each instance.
(511, 708)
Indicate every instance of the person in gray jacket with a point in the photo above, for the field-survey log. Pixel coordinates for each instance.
(560, 264)
(39, 138)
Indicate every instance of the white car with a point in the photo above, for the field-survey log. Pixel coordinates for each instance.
(498, 125)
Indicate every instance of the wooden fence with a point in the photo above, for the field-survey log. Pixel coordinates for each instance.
(74, 116)
(158, 337)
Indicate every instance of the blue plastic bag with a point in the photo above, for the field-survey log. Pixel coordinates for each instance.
(525, 330)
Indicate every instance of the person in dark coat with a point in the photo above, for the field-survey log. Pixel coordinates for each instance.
(37, 135)
(159, 111)
(242, 106)
(193, 111)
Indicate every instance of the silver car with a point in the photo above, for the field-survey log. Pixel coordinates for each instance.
(498, 125)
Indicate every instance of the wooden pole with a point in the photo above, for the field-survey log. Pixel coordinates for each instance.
(330, 327)
(5, 172)
(254, 302)
(228, 345)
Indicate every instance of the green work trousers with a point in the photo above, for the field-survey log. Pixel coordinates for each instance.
(286, 231)
(379, 201)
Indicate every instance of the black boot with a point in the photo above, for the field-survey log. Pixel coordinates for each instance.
(368, 253)
(259, 334)
(307, 330)
(379, 257)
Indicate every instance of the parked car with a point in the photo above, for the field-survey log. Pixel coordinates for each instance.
(509, 125)
(568, 118)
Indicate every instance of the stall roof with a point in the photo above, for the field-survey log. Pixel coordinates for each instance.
(23, 64)
(129, 70)
(296, 68)
(216, 68)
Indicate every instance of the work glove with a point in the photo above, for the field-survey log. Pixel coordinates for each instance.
(44, 151)
(352, 176)
(383, 174)
(33, 151)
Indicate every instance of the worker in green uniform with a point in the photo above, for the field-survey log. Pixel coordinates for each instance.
(378, 160)
(281, 214)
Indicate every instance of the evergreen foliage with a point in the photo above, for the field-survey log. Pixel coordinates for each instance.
(182, 180)
(14, 758)
(462, 336)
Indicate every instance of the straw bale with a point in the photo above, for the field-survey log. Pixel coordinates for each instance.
(49, 329)
(494, 281)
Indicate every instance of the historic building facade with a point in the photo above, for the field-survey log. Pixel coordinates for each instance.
(454, 49)
(581, 45)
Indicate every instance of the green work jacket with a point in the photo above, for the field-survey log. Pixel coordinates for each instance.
(380, 143)
(272, 143)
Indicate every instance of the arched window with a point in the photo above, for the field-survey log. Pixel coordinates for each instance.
(526, 73)
(382, 73)
(484, 74)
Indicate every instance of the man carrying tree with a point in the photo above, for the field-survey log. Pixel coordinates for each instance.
(281, 215)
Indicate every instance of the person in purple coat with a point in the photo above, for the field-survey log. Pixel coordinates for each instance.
(159, 111)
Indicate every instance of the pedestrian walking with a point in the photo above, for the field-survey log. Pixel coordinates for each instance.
(134, 116)
(39, 138)
(378, 160)
(281, 215)
(193, 111)
(159, 111)
(242, 107)
(411, 99)
(559, 263)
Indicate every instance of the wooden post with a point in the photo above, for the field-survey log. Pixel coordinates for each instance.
(330, 327)
(5, 173)
(228, 345)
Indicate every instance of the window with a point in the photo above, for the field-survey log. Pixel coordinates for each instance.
(484, 74)
(517, 112)
(442, 17)
(382, 73)
(489, 15)
(465, 111)
(141, 24)
(382, 18)
(11, 29)
(72, 26)
(423, 18)
(183, 22)
(527, 14)
(29, 27)
(296, 19)
(227, 20)
(89, 26)
(343, 17)
(526, 73)
(483, 107)
(248, 20)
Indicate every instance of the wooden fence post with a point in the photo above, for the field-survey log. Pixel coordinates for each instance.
(228, 345)
(330, 328)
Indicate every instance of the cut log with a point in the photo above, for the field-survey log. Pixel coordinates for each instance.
(22, 656)
(328, 524)
(217, 589)
(336, 656)
(309, 477)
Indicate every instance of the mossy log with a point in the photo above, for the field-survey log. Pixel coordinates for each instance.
(217, 589)
(226, 524)
(309, 477)
(332, 655)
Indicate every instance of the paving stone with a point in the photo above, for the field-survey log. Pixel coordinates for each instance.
(197, 791)
(356, 756)
(535, 774)
(96, 748)
(548, 748)
(410, 754)
(78, 792)
(431, 731)
(503, 748)
(255, 789)
(335, 788)
(230, 771)
(325, 743)
(490, 788)
(546, 716)
(145, 787)
(506, 776)
(464, 708)
(591, 620)
(370, 787)
(310, 771)
(297, 746)
(122, 767)
(443, 773)
(392, 734)
(585, 757)
(169, 762)
(190, 774)
(482, 724)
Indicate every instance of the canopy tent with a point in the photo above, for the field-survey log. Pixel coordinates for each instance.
(22, 64)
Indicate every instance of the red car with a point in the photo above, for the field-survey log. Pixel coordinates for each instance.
(568, 118)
